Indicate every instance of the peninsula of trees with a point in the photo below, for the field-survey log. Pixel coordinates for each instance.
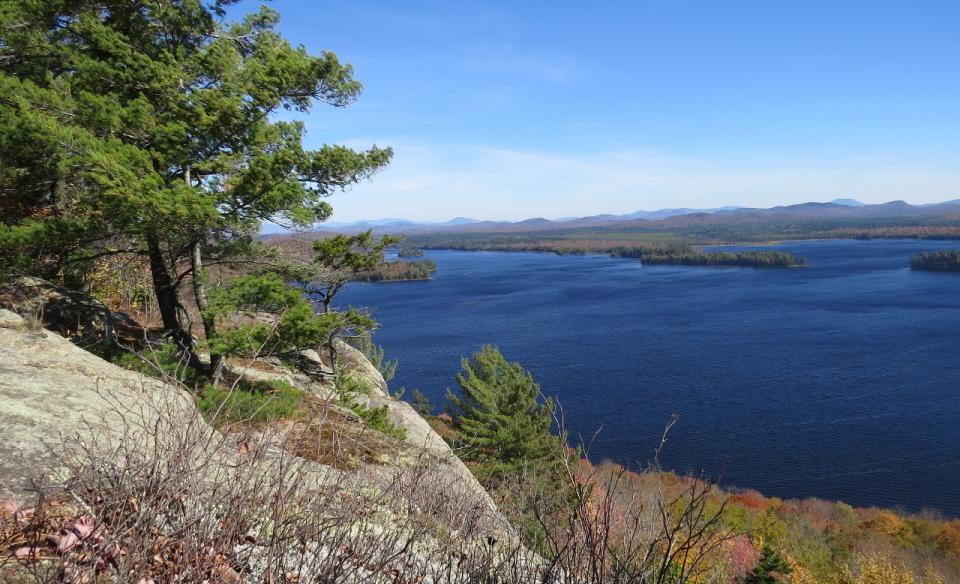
(695, 257)
(398, 271)
(407, 251)
(937, 261)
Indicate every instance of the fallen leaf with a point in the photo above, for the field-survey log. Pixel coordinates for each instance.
(83, 527)
(65, 541)
(27, 553)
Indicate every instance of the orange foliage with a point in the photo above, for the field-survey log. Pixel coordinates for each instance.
(750, 499)
(949, 539)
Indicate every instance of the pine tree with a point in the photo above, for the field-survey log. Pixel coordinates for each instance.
(770, 565)
(149, 128)
(339, 258)
(501, 412)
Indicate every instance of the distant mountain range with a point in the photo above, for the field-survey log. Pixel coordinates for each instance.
(847, 209)
(372, 223)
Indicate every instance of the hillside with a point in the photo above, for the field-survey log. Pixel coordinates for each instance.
(71, 421)
(188, 398)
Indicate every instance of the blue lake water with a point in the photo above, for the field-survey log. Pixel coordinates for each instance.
(840, 380)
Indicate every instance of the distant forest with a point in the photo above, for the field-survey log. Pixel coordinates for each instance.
(675, 241)
(648, 253)
(409, 252)
(694, 230)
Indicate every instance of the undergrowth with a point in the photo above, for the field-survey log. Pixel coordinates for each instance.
(164, 362)
(376, 418)
(251, 402)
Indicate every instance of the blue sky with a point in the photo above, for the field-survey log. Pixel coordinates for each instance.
(510, 110)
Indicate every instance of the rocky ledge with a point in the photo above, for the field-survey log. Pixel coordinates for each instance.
(56, 395)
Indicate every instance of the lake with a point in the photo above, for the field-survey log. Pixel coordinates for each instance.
(840, 380)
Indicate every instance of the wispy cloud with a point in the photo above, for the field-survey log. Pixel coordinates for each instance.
(439, 181)
(537, 67)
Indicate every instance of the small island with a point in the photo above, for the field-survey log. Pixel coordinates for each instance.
(398, 271)
(946, 260)
(409, 252)
(688, 256)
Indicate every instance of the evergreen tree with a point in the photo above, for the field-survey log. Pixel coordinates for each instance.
(339, 258)
(770, 565)
(148, 128)
(501, 412)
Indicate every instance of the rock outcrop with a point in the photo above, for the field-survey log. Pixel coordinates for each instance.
(78, 316)
(65, 411)
(53, 393)
(421, 439)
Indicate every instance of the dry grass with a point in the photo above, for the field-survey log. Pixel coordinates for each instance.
(326, 434)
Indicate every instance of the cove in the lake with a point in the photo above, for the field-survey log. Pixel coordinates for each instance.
(840, 380)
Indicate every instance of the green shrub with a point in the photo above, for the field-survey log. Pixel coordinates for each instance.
(379, 420)
(350, 386)
(251, 402)
(164, 362)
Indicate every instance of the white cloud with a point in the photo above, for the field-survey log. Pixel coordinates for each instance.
(440, 181)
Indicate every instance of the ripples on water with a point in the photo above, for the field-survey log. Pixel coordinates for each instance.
(840, 380)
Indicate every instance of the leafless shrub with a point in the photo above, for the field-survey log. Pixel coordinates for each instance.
(164, 497)
(170, 499)
(605, 524)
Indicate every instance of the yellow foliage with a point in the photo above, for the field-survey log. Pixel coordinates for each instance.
(801, 575)
(122, 283)
(949, 539)
(886, 522)
(876, 569)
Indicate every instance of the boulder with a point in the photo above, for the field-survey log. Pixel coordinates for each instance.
(257, 371)
(55, 394)
(354, 363)
(11, 320)
(77, 316)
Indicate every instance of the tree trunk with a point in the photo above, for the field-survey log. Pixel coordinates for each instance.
(168, 301)
(332, 352)
(61, 202)
(199, 280)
